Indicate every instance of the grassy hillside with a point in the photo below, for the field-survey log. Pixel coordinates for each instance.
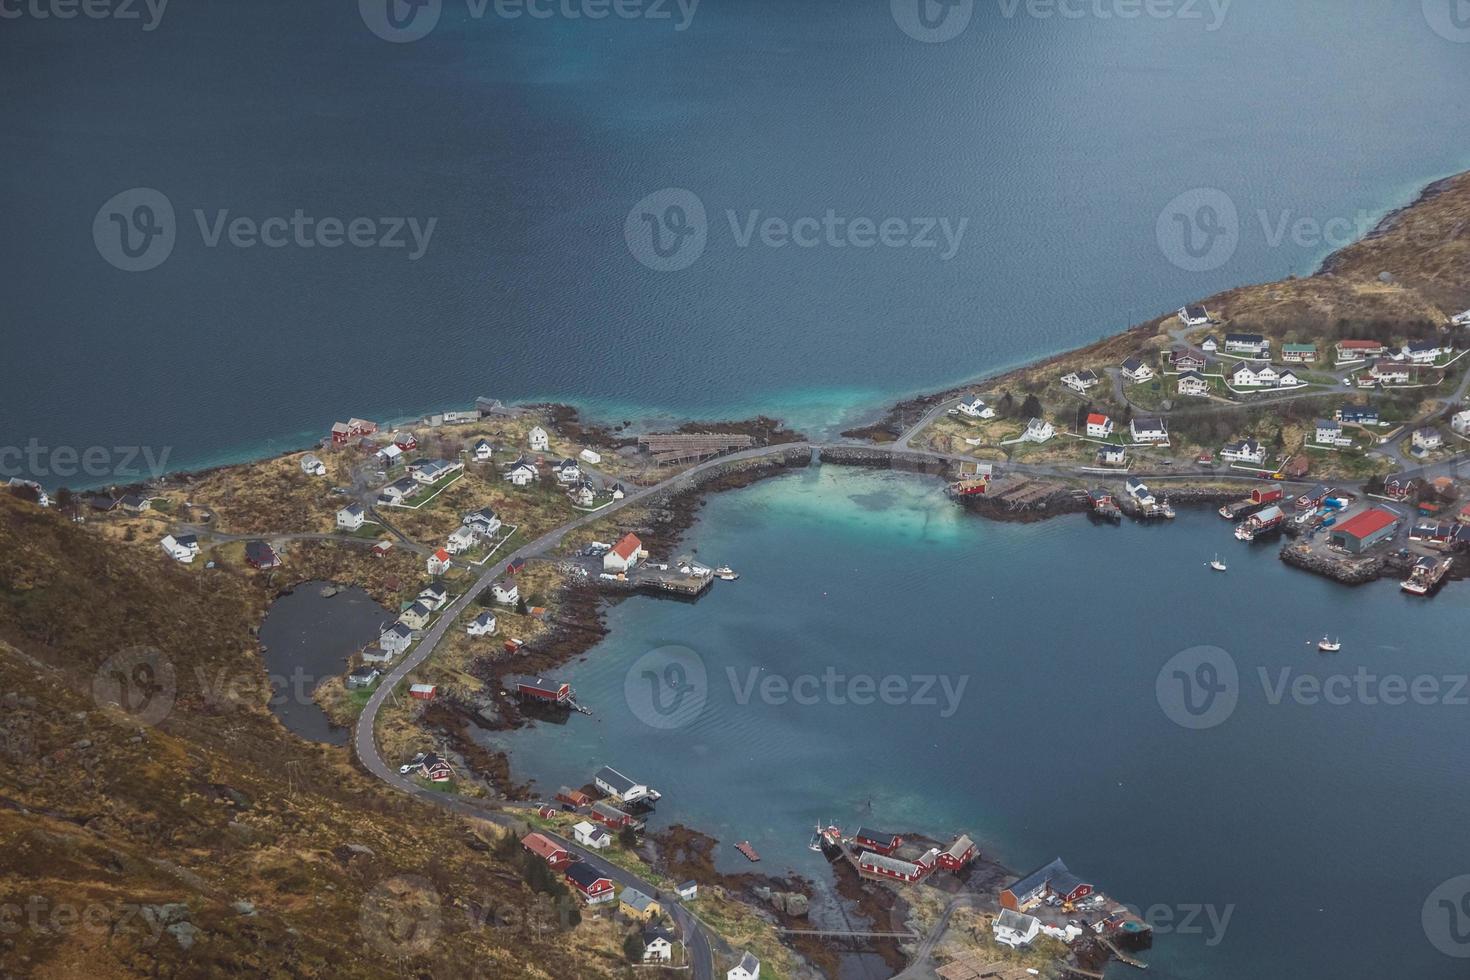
(203, 839)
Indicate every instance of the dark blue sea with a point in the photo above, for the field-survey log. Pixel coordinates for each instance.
(1052, 144)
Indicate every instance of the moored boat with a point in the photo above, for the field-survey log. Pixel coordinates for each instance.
(1327, 645)
(726, 573)
(1217, 564)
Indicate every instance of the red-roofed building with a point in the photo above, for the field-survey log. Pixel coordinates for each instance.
(624, 555)
(1363, 531)
(1099, 426)
(547, 850)
(439, 562)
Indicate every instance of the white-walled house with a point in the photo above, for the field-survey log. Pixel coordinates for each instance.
(1423, 351)
(395, 639)
(975, 408)
(1248, 344)
(1015, 929)
(1209, 345)
(1149, 429)
(1038, 430)
(461, 539)
(1195, 316)
(538, 440)
(1136, 371)
(481, 625)
(1244, 451)
(590, 835)
(505, 592)
(567, 471)
(1112, 455)
(1099, 426)
(623, 555)
(521, 475)
(312, 465)
(590, 456)
(351, 517)
(1426, 439)
(1139, 491)
(1081, 381)
(1461, 422)
(482, 451)
(1287, 378)
(438, 563)
(1329, 433)
(183, 548)
(749, 968)
(1193, 383)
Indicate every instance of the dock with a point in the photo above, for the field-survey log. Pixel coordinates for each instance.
(744, 848)
(673, 448)
(1121, 956)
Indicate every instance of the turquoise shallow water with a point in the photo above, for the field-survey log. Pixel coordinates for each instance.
(1291, 818)
(1058, 140)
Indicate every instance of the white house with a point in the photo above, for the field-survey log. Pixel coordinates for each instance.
(1111, 455)
(429, 471)
(1423, 351)
(481, 625)
(416, 616)
(567, 471)
(484, 521)
(1463, 320)
(688, 890)
(590, 457)
(1038, 430)
(521, 475)
(1249, 344)
(1139, 491)
(351, 517)
(1195, 316)
(1149, 429)
(1244, 451)
(1329, 433)
(1014, 929)
(433, 595)
(623, 555)
(1287, 378)
(658, 946)
(1184, 359)
(439, 563)
(538, 440)
(1209, 345)
(1136, 371)
(182, 548)
(482, 451)
(1426, 439)
(1099, 426)
(1193, 383)
(1081, 381)
(390, 455)
(374, 653)
(975, 408)
(1461, 422)
(1387, 373)
(583, 494)
(395, 639)
(312, 465)
(505, 592)
(749, 968)
(461, 539)
(590, 835)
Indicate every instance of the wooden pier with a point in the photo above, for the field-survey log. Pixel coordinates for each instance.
(744, 848)
(1121, 956)
(681, 447)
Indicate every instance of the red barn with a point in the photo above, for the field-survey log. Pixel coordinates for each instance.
(423, 692)
(546, 811)
(406, 441)
(958, 854)
(883, 866)
(547, 850)
(611, 816)
(515, 565)
(573, 796)
(538, 688)
(876, 840)
(1267, 495)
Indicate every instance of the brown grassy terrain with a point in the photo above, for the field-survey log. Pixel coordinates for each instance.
(215, 805)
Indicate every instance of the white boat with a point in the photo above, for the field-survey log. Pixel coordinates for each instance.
(1217, 564)
(1327, 645)
(727, 573)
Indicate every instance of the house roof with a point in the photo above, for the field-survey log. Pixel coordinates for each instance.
(1196, 311)
(1133, 363)
(505, 587)
(1148, 424)
(1360, 344)
(1015, 921)
(749, 963)
(1244, 338)
(960, 846)
(653, 934)
(628, 546)
(1369, 522)
(877, 836)
(485, 618)
(1191, 376)
(1087, 374)
(1328, 424)
(1097, 419)
(620, 784)
(585, 876)
(895, 865)
(635, 900)
(1299, 348)
(364, 673)
(1036, 880)
(542, 846)
(441, 554)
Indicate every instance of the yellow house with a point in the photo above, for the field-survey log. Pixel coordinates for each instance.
(634, 903)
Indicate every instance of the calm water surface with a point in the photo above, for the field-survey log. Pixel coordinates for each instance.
(1309, 820)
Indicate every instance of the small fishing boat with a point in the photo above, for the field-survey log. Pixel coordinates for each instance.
(1217, 564)
(727, 573)
(1327, 645)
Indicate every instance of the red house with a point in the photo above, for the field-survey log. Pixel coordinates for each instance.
(406, 441)
(1267, 495)
(573, 796)
(345, 432)
(511, 567)
(261, 555)
(611, 816)
(547, 850)
(546, 811)
(423, 692)
(957, 855)
(876, 840)
(594, 886)
(883, 866)
(539, 688)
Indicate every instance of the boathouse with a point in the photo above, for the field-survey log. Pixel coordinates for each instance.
(618, 786)
(545, 689)
(883, 866)
(611, 816)
(958, 854)
(1053, 879)
(876, 840)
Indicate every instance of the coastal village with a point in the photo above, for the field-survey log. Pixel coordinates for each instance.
(492, 535)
